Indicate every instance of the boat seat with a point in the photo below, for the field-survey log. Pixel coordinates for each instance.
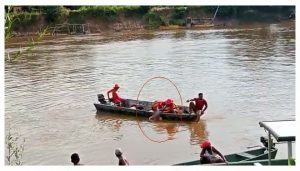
(247, 155)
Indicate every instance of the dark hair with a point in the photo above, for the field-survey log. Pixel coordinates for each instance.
(200, 94)
(75, 158)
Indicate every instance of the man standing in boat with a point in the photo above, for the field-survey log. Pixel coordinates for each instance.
(116, 99)
(197, 107)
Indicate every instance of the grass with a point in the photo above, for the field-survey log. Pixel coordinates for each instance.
(15, 149)
(16, 21)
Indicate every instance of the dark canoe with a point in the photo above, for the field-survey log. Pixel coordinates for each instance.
(251, 155)
(146, 112)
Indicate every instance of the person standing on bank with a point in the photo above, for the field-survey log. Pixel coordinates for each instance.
(197, 107)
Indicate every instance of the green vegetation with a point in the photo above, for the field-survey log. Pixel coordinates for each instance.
(15, 149)
(9, 20)
(22, 20)
(179, 16)
(106, 13)
(15, 21)
(50, 15)
(55, 14)
(153, 20)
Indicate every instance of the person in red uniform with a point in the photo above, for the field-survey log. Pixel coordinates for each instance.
(170, 106)
(158, 105)
(116, 99)
(198, 105)
(167, 106)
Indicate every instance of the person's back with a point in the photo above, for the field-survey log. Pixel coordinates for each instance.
(210, 154)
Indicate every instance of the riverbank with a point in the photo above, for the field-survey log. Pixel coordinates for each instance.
(127, 34)
(102, 19)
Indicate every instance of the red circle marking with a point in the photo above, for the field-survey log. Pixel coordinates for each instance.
(143, 132)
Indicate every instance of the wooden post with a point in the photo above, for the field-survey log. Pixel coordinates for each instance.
(189, 22)
(69, 31)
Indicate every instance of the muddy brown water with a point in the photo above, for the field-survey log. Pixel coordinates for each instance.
(247, 75)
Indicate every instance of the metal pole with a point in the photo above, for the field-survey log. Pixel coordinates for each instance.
(269, 147)
(215, 14)
(289, 152)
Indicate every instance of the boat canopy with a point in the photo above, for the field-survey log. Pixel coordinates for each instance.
(284, 130)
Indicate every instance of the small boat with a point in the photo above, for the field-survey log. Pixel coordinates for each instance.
(251, 155)
(265, 162)
(144, 110)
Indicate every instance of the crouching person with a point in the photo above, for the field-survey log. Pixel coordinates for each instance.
(210, 154)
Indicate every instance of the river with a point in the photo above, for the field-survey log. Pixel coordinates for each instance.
(247, 75)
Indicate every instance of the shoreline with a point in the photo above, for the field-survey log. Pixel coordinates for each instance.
(229, 24)
(232, 23)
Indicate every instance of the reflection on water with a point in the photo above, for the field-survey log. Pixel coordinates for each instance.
(245, 74)
(169, 128)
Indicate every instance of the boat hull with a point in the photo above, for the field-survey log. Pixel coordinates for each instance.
(246, 156)
(143, 113)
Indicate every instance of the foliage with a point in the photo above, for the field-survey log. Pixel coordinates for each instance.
(209, 9)
(76, 17)
(153, 20)
(107, 13)
(55, 14)
(134, 10)
(16, 20)
(80, 14)
(9, 20)
(25, 19)
(101, 12)
(291, 162)
(180, 22)
(15, 149)
(179, 13)
(228, 11)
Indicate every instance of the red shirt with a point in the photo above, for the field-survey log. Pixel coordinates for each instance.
(200, 103)
(115, 97)
(158, 105)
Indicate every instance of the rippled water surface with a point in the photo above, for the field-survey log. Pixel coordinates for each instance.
(247, 75)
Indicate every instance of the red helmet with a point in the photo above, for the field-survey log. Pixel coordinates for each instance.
(206, 144)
